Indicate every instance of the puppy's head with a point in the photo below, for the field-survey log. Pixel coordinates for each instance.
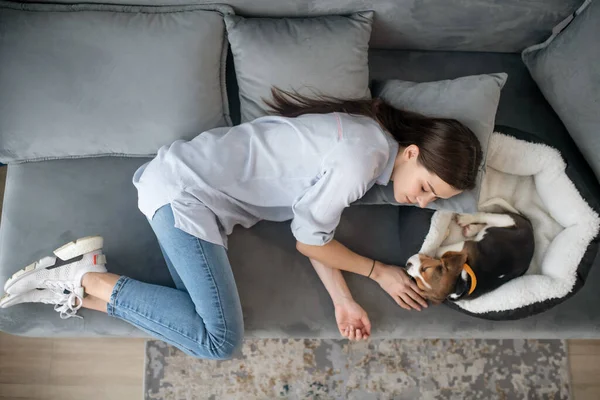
(438, 278)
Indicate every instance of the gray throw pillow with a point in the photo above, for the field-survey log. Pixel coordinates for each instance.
(471, 100)
(317, 55)
(92, 80)
(566, 68)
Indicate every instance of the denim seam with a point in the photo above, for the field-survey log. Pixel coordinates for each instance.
(120, 283)
(112, 310)
(224, 322)
(154, 332)
(185, 335)
(110, 306)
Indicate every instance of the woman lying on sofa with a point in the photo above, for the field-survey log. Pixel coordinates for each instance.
(307, 163)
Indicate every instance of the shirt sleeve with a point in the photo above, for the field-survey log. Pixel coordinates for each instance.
(347, 173)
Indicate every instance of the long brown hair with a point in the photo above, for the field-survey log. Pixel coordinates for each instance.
(447, 148)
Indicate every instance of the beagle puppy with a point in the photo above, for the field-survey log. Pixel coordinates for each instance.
(496, 249)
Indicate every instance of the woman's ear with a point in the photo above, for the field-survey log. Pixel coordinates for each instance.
(411, 151)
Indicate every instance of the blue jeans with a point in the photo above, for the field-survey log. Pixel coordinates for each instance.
(203, 315)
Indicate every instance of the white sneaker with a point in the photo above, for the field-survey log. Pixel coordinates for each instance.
(66, 303)
(63, 272)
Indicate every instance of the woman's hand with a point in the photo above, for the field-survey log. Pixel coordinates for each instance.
(396, 282)
(352, 320)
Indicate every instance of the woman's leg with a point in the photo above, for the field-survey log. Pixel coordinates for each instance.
(94, 303)
(174, 275)
(206, 321)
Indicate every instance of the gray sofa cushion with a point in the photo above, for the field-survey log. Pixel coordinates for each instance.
(472, 100)
(566, 68)
(326, 55)
(72, 207)
(522, 105)
(438, 25)
(51, 202)
(88, 80)
(302, 307)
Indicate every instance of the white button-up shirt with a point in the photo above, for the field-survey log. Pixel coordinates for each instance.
(307, 169)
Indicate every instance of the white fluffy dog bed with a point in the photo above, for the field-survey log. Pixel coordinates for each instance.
(531, 178)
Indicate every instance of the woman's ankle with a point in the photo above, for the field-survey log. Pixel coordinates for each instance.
(99, 284)
(94, 303)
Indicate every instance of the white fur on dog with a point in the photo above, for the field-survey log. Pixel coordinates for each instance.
(531, 178)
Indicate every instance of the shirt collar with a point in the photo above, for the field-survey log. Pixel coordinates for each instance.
(386, 174)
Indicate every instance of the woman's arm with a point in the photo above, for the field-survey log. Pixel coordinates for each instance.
(334, 282)
(336, 255)
(394, 280)
(351, 319)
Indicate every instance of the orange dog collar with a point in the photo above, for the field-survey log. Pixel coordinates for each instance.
(472, 275)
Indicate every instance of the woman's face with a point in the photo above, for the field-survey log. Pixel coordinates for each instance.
(413, 184)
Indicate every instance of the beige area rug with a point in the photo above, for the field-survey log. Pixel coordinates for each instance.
(379, 369)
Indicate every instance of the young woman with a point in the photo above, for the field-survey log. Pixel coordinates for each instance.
(316, 157)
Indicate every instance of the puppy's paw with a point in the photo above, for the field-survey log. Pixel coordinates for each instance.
(464, 219)
(470, 230)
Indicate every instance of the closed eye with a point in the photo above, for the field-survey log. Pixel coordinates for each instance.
(433, 191)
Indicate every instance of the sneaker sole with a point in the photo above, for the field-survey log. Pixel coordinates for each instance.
(66, 252)
(5, 299)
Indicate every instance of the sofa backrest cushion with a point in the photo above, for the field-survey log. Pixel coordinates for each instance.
(566, 68)
(505, 26)
(471, 100)
(325, 55)
(91, 80)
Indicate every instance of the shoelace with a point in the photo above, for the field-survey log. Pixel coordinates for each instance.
(67, 305)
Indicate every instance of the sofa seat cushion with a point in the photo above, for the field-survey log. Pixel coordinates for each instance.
(51, 202)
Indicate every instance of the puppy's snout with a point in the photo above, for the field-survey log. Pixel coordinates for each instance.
(412, 265)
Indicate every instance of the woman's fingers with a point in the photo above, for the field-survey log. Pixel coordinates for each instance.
(416, 297)
(355, 334)
(416, 289)
(409, 301)
(401, 302)
(351, 333)
(367, 324)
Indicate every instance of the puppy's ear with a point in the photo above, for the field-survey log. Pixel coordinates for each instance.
(454, 261)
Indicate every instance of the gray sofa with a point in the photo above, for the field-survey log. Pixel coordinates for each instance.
(50, 202)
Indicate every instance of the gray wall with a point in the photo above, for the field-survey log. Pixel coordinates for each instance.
(465, 25)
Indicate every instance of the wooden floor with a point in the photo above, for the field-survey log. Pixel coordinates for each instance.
(67, 369)
(113, 369)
